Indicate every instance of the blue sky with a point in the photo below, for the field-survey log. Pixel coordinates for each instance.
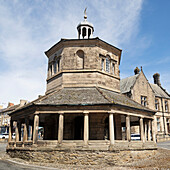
(29, 27)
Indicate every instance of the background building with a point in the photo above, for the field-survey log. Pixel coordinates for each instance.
(153, 96)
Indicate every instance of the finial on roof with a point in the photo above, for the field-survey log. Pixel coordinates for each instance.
(141, 68)
(85, 14)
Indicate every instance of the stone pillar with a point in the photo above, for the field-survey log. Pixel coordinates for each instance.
(111, 128)
(153, 131)
(142, 130)
(128, 134)
(36, 125)
(10, 131)
(60, 128)
(149, 130)
(26, 128)
(145, 130)
(86, 127)
(16, 132)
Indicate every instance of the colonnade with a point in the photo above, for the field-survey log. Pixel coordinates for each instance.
(146, 129)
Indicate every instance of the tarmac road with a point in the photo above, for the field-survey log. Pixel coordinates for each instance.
(164, 145)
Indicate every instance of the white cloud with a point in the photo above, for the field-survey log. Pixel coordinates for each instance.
(28, 28)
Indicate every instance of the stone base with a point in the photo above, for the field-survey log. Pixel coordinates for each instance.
(102, 158)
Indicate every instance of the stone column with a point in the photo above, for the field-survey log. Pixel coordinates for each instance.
(26, 128)
(36, 125)
(145, 130)
(10, 131)
(142, 130)
(149, 130)
(86, 127)
(16, 133)
(153, 131)
(111, 128)
(60, 128)
(128, 134)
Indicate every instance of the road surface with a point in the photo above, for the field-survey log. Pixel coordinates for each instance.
(164, 145)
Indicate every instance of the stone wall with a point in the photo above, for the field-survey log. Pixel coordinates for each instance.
(82, 158)
(142, 88)
(72, 74)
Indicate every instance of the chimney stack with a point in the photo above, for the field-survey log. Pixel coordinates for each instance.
(10, 104)
(23, 102)
(156, 78)
(136, 70)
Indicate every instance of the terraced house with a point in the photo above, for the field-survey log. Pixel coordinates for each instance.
(83, 108)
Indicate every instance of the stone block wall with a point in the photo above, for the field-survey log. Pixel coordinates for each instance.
(142, 88)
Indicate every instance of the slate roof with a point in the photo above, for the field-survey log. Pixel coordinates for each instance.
(159, 91)
(88, 96)
(9, 109)
(127, 83)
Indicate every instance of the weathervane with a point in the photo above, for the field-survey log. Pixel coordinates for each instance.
(85, 14)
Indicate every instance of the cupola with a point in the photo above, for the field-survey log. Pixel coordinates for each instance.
(85, 29)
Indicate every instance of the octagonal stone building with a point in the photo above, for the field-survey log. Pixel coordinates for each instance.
(82, 108)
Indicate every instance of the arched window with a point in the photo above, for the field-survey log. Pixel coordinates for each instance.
(84, 32)
(55, 67)
(58, 65)
(113, 68)
(102, 64)
(80, 59)
(107, 65)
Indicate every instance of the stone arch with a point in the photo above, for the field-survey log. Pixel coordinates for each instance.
(80, 59)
